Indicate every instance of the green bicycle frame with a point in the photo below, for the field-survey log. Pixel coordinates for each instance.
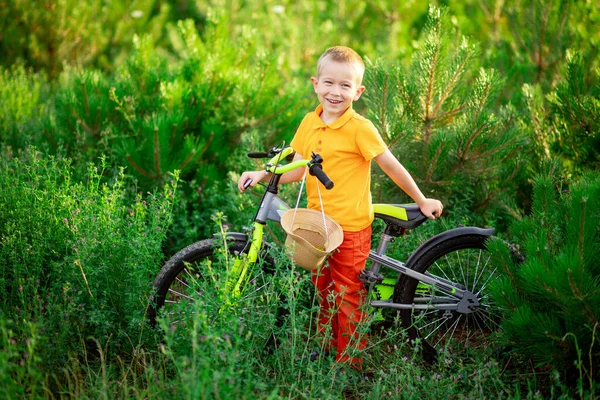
(270, 208)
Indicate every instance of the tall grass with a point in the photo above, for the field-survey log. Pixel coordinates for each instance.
(76, 266)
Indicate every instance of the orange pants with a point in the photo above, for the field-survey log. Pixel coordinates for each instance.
(342, 294)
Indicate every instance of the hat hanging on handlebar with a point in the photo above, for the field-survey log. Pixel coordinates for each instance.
(311, 236)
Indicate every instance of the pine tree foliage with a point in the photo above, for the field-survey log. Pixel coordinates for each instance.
(439, 118)
(157, 116)
(551, 297)
(45, 35)
(541, 36)
(575, 107)
(566, 121)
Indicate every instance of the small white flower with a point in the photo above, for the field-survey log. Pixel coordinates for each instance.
(137, 14)
(278, 9)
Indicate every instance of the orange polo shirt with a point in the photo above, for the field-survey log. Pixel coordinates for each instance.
(347, 146)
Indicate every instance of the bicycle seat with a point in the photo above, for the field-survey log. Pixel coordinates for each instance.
(407, 216)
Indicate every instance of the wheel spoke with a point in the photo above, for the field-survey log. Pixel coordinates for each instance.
(181, 294)
(483, 269)
(465, 280)
(484, 286)
(452, 327)
(443, 272)
(465, 262)
(188, 288)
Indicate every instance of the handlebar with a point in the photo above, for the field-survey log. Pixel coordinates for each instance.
(314, 165)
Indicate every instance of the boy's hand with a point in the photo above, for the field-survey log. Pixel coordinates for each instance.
(250, 179)
(431, 208)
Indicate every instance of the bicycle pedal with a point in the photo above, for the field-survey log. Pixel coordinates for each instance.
(370, 277)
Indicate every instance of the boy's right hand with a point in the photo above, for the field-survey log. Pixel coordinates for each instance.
(250, 179)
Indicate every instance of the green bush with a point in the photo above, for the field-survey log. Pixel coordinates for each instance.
(566, 121)
(22, 95)
(96, 33)
(77, 258)
(551, 299)
(156, 115)
(440, 119)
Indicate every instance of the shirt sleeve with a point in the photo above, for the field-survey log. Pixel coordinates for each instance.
(369, 141)
(298, 141)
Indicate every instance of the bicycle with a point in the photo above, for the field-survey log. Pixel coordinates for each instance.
(438, 293)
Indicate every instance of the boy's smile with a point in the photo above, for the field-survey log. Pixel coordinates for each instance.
(337, 86)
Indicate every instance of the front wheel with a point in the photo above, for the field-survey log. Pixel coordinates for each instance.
(463, 260)
(190, 285)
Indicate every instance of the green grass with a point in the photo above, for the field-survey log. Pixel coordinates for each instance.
(78, 260)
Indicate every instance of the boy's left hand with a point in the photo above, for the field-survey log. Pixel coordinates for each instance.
(431, 208)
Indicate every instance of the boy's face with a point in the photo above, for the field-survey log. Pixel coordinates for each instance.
(337, 86)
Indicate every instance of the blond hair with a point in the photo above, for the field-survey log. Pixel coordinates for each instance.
(342, 54)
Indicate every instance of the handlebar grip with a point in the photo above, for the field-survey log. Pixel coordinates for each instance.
(258, 154)
(317, 170)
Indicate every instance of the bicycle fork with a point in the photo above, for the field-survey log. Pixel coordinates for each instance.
(238, 274)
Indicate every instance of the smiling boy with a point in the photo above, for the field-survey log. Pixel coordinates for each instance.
(347, 142)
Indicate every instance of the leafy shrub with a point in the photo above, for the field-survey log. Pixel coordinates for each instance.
(77, 258)
(22, 93)
(551, 299)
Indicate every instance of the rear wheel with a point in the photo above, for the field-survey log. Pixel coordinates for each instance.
(191, 283)
(463, 260)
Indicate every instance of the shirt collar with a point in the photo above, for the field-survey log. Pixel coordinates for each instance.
(338, 123)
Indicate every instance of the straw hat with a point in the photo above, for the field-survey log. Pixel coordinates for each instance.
(308, 238)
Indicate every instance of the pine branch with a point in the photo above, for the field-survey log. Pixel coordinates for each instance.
(208, 142)
(507, 300)
(266, 118)
(462, 155)
(203, 101)
(563, 20)
(97, 124)
(429, 96)
(255, 94)
(539, 61)
(82, 122)
(157, 168)
(519, 38)
(581, 299)
(483, 98)
(453, 81)
(172, 138)
(185, 162)
(481, 171)
(494, 150)
(538, 253)
(139, 169)
(435, 183)
(396, 139)
(86, 102)
(382, 113)
(403, 93)
(434, 160)
(581, 236)
(450, 114)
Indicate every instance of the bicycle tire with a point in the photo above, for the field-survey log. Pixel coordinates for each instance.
(182, 277)
(464, 260)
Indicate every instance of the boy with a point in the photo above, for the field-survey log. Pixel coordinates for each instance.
(347, 142)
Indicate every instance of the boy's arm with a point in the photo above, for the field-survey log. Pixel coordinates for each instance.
(263, 176)
(391, 166)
